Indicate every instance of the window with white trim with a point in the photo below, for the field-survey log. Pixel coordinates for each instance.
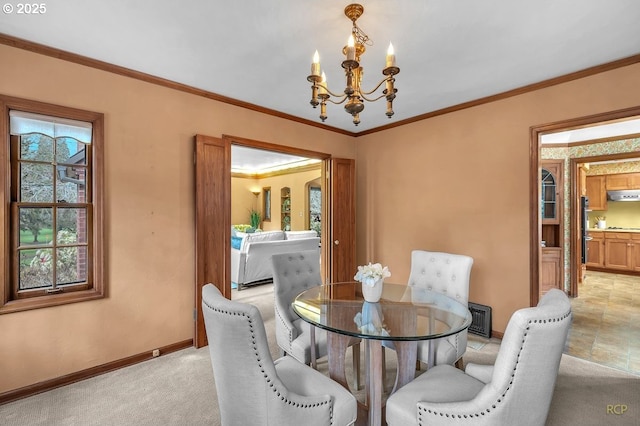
(53, 194)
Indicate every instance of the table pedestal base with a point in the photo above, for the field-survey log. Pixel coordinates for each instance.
(406, 352)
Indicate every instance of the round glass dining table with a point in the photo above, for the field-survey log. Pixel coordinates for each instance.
(403, 316)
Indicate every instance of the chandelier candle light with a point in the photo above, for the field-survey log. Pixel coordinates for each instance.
(353, 93)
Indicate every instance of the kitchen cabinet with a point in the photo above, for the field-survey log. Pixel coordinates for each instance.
(622, 251)
(551, 195)
(635, 252)
(551, 269)
(623, 181)
(595, 250)
(551, 211)
(617, 254)
(597, 192)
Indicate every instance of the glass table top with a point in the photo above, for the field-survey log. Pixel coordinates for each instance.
(403, 313)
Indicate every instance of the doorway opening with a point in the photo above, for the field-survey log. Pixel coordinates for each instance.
(213, 215)
(605, 290)
(270, 202)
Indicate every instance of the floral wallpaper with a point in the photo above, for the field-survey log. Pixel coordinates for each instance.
(613, 168)
(589, 150)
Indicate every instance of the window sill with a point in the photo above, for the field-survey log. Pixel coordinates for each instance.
(50, 300)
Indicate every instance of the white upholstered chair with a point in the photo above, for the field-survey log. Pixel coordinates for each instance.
(447, 274)
(294, 273)
(255, 390)
(516, 390)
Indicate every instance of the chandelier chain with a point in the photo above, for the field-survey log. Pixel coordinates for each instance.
(360, 35)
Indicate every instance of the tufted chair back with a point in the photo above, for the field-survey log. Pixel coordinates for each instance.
(252, 389)
(447, 274)
(526, 368)
(516, 390)
(294, 273)
(442, 272)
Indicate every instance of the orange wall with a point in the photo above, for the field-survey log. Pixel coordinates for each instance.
(299, 209)
(460, 183)
(243, 200)
(457, 182)
(149, 214)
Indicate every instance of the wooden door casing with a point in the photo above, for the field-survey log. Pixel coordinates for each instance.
(213, 215)
(213, 222)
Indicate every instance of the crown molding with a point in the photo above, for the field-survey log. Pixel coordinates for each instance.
(116, 69)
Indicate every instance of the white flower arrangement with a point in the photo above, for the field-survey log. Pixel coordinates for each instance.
(369, 274)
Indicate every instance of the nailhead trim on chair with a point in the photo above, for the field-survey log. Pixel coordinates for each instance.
(285, 326)
(267, 378)
(499, 400)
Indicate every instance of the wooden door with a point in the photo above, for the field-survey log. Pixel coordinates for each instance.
(213, 222)
(342, 228)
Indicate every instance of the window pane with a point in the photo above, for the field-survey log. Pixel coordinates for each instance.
(36, 183)
(315, 200)
(70, 151)
(50, 209)
(72, 265)
(70, 184)
(36, 225)
(35, 269)
(315, 209)
(36, 146)
(72, 225)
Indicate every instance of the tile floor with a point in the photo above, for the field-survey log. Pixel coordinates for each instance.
(606, 321)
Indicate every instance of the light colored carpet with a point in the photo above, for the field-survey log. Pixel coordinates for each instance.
(178, 389)
(584, 391)
(475, 344)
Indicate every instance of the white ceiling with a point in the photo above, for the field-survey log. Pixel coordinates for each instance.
(251, 160)
(600, 131)
(259, 52)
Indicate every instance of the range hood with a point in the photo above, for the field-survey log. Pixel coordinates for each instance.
(624, 195)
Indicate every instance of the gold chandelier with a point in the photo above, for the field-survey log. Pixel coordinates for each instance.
(353, 93)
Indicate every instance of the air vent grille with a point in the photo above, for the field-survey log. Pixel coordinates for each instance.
(480, 320)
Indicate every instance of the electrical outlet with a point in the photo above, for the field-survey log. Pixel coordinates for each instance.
(155, 353)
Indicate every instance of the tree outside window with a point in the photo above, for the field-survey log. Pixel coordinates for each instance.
(53, 211)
